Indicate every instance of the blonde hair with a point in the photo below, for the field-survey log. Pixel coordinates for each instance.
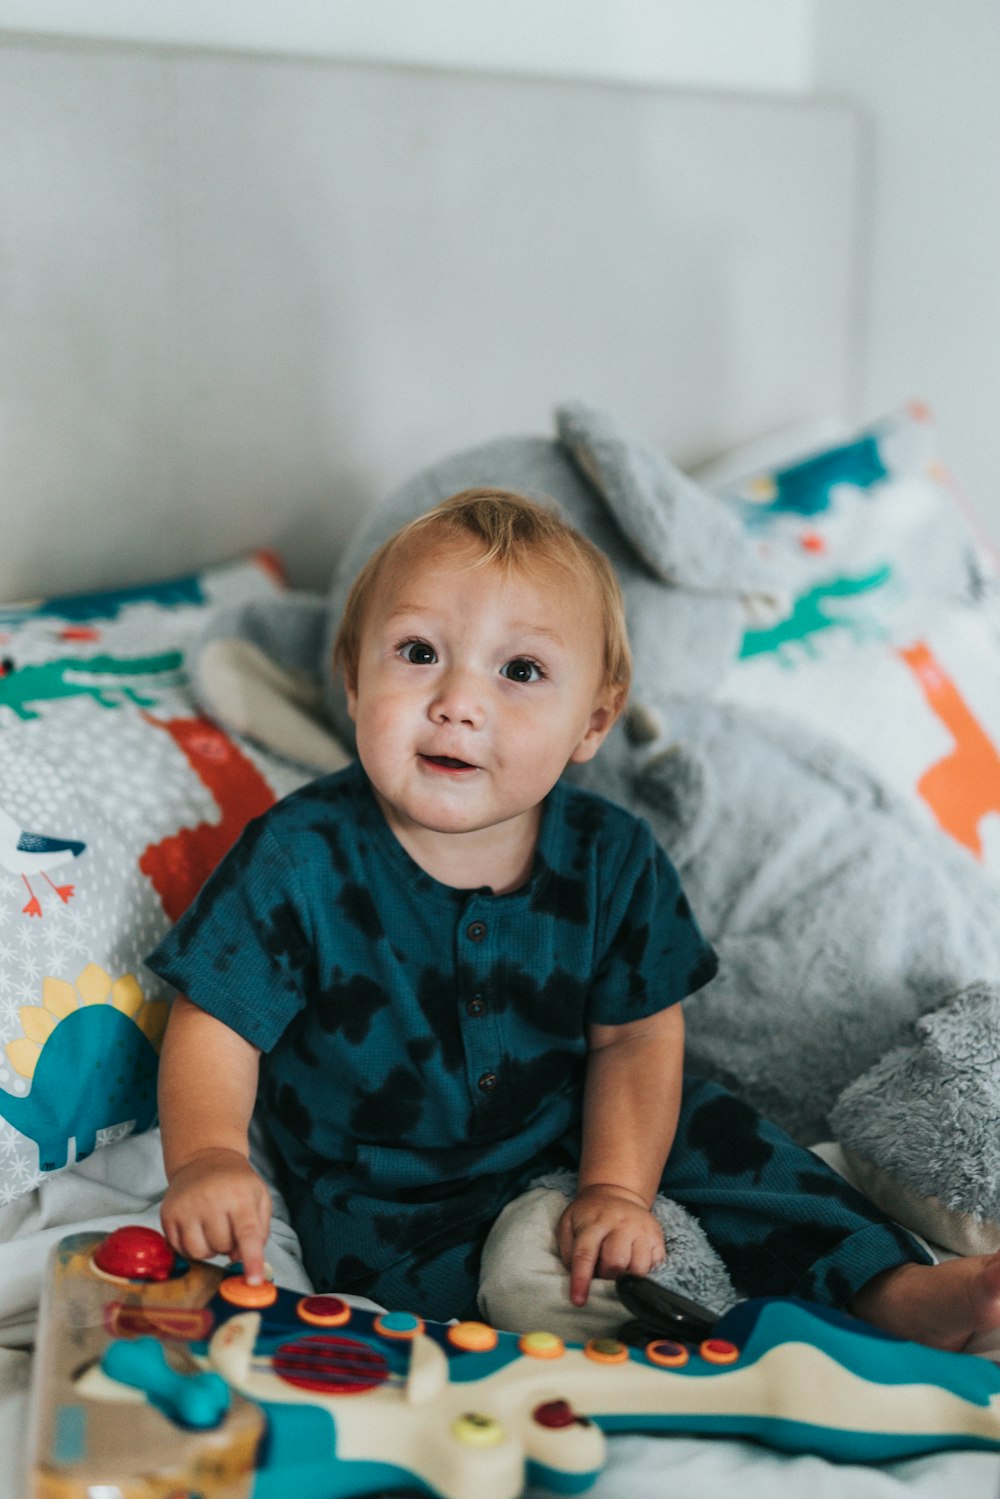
(513, 531)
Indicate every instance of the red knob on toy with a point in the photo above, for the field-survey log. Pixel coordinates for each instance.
(554, 1413)
(136, 1253)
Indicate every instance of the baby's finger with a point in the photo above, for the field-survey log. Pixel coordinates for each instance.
(618, 1254)
(565, 1239)
(586, 1252)
(171, 1232)
(641, 1262)
(657, 1253)
(249, 1240)
(191, 1240)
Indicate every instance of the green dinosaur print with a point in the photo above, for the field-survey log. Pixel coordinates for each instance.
(99, 677)
(810, 617)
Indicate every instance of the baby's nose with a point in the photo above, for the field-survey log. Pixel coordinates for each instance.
(458, 701)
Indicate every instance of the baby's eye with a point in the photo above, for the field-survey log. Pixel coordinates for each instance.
(418, 653)
(522, 670)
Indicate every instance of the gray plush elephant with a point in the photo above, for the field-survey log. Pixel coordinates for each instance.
(840, 921)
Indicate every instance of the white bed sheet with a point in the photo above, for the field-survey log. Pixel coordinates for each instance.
(124, 1183)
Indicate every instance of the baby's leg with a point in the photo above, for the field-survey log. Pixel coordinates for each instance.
(437, 1279)
(784, 1223)
(944, 1305)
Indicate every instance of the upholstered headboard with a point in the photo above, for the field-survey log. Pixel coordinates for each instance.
(243, 297)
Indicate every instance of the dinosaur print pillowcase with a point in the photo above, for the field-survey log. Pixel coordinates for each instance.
(117, 799)
(891, 642)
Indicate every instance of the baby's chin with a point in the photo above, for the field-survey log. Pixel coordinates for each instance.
(450, 813)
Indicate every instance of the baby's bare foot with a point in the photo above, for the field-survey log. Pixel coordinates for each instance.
(941, 1305)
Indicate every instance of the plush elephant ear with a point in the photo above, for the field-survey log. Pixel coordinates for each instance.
(684, 536)
(256, 670)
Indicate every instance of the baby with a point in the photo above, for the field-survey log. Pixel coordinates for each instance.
(445, 971)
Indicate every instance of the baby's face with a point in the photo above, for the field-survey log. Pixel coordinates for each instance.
(475, 689)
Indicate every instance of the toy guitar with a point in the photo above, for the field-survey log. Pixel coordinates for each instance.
(160, 1379)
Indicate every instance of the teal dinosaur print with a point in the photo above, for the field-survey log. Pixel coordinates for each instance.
(810, 617)
(97, 1069)
(175, 593)
(99, 677)
(805, 488)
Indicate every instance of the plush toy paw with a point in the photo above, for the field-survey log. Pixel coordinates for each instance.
(919, 1130)
(524, 1284)
(643, 725)
(677, 785)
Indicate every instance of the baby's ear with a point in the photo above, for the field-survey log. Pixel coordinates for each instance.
(603, 718)
(683, 535)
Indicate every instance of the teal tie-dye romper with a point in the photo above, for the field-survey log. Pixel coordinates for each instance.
(424, 1047)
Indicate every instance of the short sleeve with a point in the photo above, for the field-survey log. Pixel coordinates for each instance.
(654, 953)
(240, 952)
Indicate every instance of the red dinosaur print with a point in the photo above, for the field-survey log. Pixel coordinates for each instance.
(86, 633)
(963, 787)
(179, 865)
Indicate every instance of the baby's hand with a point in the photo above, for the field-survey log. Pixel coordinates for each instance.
(607, 1231)
(217, 1204)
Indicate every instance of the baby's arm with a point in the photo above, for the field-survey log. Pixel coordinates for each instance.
(631, 1102)
(215, 1203)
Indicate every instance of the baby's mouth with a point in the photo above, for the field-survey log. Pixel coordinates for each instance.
(447, 762)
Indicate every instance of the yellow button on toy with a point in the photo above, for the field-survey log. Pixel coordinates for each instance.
(605, 1350)
(474, 1337)
(238, 1291)
(718, 1351)
(542, 1345)
(476, 1429)
(667, 1353)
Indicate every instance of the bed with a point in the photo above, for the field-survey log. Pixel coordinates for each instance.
(246, 299)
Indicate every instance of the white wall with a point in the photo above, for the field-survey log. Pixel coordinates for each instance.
(757, 45)
(925, 72)
(928, 75)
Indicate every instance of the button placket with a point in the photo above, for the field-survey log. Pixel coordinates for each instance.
(480, 1024)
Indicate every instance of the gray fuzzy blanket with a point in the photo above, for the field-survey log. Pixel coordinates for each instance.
(839, 919)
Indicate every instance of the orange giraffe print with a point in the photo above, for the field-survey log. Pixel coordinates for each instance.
(179, 865)
(964, 787)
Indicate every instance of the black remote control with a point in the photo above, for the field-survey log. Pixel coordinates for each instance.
(661, 1313)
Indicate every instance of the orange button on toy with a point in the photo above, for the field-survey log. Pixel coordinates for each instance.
(667, 1353)
(542, 1345)
(718, 1351)
(402, 1325)
(238, 1291)
(324, 1311)
(606, 1351)
(474, 1337)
